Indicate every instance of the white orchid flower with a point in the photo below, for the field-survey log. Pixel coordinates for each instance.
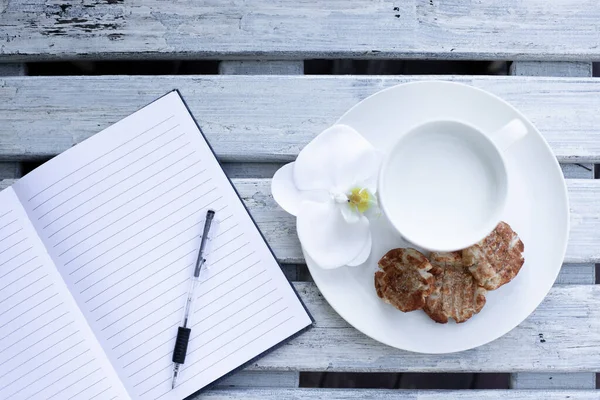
(329, 188)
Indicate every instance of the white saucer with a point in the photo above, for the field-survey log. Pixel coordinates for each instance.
(537, 210)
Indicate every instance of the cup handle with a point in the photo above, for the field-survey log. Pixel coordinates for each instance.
(509, 134)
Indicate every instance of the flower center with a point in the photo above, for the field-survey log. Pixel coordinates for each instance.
(360, 199)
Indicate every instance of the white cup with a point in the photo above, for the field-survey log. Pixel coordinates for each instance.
(444, 184)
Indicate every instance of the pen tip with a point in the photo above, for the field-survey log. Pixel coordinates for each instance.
(175, 373)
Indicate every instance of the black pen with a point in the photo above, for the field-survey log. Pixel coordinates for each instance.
(183, 333)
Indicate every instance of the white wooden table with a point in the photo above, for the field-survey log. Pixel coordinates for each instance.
(261, 110)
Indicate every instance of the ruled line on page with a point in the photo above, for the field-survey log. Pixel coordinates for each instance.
(15, 256)
(18, 266)
(40, 328)
(174, 325)
(140, 207)
(30, 321)
(228, 355)
(140, 244)
(170, 364)
(146, 316)
(21, 277)
(50, 359)
(181, 282)
(214, 275)
(28, 285)
(146, 228)
(186, 267)
(158, 334)
(244, 345)
(143, 266)
(28, 310)
(44, 363)
(39, 341)
(41, 352)
(63, 377)
(114, 209)
(159, 208)
(11, 234)
(54, 367)
(18, 304)
(140, 281)
(172, 338)
(104, 166)
(51, 371)
(118, 195)
(172, 316)
(65, 388)
(231, 290)
(242, 321)
(12, 245)
(86, 389)
(99, 393)
(97, 158)
(10, 223)
(188, 366)
(206, 305)
(132, 248)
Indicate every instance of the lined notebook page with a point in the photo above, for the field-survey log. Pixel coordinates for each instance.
(122, 221)
(46, 348)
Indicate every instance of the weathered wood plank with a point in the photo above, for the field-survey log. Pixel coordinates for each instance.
(252, 67)
(256, 379)
(288, 29)
(544, 68)
(266, 118)
(526, 380)
(279, 227)
(391, 394)
(250, 170)
(562, 335)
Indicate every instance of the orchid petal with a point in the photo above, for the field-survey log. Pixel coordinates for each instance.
(336, 159)
(364, 255)
(287, 195)
(327, 237)
(350, 214)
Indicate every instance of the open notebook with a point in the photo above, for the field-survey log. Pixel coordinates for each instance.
(96, 250)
